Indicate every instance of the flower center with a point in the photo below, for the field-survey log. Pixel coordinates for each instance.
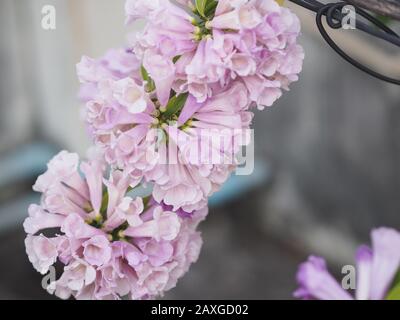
(202, 31)
(99, 221)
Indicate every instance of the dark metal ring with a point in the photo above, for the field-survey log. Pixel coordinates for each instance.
(334, 17)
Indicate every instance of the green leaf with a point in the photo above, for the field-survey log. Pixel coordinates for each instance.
(146, 201)
(201, 7)
(176, 59)
(150, 86)
(396, 280)
(175, 105)
(145, 74)
(104, 204)
(394, 294)
(211, 5)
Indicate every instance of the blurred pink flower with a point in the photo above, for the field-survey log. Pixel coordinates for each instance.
(376, 270)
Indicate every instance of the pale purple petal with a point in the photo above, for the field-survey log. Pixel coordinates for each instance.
(317, 283)
(385, 261)
(364, 263)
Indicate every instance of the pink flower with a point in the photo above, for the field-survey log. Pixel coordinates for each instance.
(385, 261)
(42, 252)
(264, 93)
(220, 70)
(207, 68)
(186, 195)
(169, 30)
(261, 42)
(376, 270)
(93, 172)
(115, 280)
(39, 219)
(128, 210)
(243, 16)
(87, 70)
(130, 95)
(186, 249)
(117, 185)
(203, 150)
(131, 252)
(75, 227)
(139, 9)
(243, 64)
(63, 168)
(132, 211)
(77, 276)
(162, 71)
(200, 159)
(111, 241)
(172, 112)
(121, 63)
(162, 226)
(154, 279)
(138, 143)
(97, 250)
(158, 253)
(115, 64)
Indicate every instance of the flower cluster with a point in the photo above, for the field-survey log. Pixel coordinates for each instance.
(249, 41)
(170, 112)
(376, 272)
(112, 244)
(179, 109)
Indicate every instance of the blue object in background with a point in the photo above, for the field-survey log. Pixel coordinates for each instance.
(25, 163)
(19, 166)
(237, 185)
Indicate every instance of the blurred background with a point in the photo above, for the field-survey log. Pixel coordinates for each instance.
(327, 154)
